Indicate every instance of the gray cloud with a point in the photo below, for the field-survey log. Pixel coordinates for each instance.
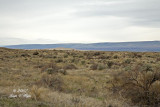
(78, 20)
(141, 12)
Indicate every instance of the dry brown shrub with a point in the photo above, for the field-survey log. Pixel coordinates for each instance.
(50, 65)
(54, 81)
(35, 53)
(70, 66)
(37, 92)
(139, 85)
(94, 66)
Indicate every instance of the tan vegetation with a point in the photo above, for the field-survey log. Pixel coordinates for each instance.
(72, 78)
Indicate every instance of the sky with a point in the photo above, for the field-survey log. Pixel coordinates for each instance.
(78, 21)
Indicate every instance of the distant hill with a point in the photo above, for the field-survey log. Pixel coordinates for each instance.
(143, 46)
(59, 48)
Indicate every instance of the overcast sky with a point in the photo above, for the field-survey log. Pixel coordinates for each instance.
(78, 21)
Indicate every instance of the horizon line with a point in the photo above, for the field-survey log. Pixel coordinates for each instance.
(79, 43)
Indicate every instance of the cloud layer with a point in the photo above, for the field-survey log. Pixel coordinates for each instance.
(78, 21)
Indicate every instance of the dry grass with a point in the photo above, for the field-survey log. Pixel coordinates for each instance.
(71, 78)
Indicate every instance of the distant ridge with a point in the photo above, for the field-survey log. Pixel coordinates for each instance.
(60, 48)
(141, 46)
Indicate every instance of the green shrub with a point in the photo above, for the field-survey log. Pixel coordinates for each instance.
(83, 62)
(65, 55)
(127, 61)
(101, 67)
(52, 68)
(62, 71)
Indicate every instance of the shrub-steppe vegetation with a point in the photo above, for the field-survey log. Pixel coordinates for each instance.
(72, 78)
